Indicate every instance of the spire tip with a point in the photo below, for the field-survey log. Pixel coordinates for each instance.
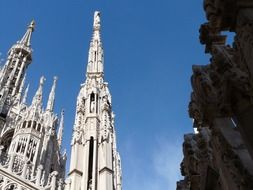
(96, 24)
(55, 79)
(42, 80)
(32, 25)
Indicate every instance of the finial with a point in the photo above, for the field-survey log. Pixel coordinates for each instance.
(55, 78)
(42, 79)
(32, 25)
(26, 40)
(96, 24)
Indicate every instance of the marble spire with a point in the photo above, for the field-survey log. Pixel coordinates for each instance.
(51, 98)
(60, 131)
(37, 99)
(94, 134)
(96, 53)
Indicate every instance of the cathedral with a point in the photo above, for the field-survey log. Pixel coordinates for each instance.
(31, 152)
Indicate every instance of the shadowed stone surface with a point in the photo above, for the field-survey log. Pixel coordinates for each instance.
(219, 155)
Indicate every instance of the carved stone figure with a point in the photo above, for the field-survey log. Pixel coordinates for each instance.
(219, 155)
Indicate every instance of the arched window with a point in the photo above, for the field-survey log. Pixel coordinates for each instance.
(24, 124)
(19, 146)
(34, 124)
(39, 127)
(33, 151)
(23, 145)
(29, 124)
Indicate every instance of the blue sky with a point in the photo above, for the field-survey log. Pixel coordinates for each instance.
(149, 47)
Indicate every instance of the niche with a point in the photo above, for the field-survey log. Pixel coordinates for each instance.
(92, 103)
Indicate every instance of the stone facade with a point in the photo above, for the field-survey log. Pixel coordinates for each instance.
(219, 156)
(30, 149)
(94, 138)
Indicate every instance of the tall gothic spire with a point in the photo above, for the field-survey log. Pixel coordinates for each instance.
(96, 54)
(94, 134)
(12, 74)
(51, 98)
(37, 99)
(60, 131)
(26, 40)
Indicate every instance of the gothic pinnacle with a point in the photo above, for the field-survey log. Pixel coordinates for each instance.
(96, 26)
(26, 40)
(60, 131)
(51, 98)
(96, 54)
(96, 23)
(37, 99)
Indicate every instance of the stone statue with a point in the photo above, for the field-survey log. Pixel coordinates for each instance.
(92, 108)
(96, 20)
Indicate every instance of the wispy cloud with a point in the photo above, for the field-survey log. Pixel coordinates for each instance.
(160, 171)
(167, 159)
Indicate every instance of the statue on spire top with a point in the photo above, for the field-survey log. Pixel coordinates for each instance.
(96, 24)
(32, 25)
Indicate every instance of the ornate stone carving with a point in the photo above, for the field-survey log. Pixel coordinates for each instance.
(218, 156)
